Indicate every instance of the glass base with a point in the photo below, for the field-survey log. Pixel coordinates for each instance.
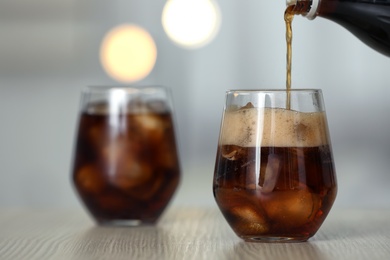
(275, 239)
(125, 223)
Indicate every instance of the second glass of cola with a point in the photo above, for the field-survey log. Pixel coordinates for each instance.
(126, 165)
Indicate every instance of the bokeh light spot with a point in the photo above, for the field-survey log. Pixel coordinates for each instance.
(191, 23)
(128, 53)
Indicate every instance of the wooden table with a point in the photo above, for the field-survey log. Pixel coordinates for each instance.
(184, 233)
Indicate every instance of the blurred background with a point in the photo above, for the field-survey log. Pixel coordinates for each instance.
(51, 49)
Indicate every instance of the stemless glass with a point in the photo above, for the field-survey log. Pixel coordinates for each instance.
(126, 166)
(274, 178)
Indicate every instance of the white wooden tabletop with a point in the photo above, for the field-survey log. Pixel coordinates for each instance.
(184, 233)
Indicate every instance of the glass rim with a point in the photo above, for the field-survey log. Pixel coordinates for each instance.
(109, 88)
(298, 90)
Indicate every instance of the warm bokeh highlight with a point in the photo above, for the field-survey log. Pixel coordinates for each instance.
(128, 53)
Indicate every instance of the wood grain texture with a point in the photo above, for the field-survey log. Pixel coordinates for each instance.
(184, 233)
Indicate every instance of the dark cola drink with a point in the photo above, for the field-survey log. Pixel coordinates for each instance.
(126, 166)
(283, 189)
(290, 205)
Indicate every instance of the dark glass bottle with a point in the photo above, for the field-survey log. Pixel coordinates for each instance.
(368, 20)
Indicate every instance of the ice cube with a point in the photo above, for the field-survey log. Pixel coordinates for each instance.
(97, 108)
(291, 208)
(234, 197)
(150, 126)
(267, 182)
(148, 189)
(137, 178)
(301, 131)
(137, 106)
(249, 221)
(232, 152)
(242, 210)
(90, 179)
(248, 105)
(157, 106)
(149, 122)
(129, 173)
(248, 175)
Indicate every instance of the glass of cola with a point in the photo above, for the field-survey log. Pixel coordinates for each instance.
(126, 165)
(274, 178)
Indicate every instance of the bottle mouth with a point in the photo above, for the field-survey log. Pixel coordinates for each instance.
(312, 13)
(291, 2)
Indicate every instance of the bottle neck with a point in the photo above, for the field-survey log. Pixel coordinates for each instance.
(307, 8)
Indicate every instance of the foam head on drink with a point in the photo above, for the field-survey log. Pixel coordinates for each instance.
(270, 127)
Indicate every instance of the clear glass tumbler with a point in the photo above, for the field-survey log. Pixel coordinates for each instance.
(274, 178)
(126, 165)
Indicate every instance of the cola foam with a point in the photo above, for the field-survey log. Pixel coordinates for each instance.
(273, 127)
